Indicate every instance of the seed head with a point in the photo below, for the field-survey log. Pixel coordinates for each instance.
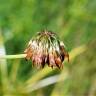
(46, 48)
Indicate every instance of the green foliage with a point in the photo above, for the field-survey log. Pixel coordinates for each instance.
(75, 24)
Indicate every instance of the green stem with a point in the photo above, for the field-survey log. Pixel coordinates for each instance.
(12, 56)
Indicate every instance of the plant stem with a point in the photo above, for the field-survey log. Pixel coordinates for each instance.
(12, 56)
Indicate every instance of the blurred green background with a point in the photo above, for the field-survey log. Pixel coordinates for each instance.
(74, 21)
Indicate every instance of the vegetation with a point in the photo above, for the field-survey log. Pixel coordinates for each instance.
(75, 24)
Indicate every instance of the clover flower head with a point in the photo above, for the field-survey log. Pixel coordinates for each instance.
(46, 49)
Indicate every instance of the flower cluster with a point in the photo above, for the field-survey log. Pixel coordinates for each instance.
(46, 48)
